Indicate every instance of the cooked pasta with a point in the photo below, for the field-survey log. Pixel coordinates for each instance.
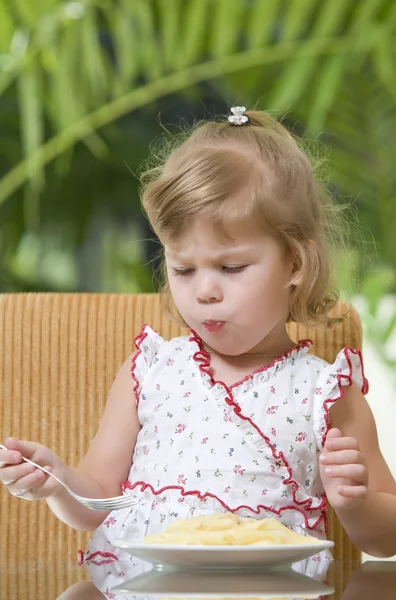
(227, 529)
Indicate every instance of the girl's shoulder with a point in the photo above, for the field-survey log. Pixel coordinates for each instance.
(153, 351)
(150, 345)
(346, 369)
(148, 338)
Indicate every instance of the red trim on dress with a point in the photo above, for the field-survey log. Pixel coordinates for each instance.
(90, 558)
(127, 485)
(138, 341)
(364, 388)
(203, 358)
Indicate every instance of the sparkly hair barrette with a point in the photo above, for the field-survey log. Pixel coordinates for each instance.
(238, 116)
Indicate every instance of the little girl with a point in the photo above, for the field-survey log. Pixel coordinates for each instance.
(234, 416)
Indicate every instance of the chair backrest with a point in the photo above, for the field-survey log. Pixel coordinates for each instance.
(60, 353)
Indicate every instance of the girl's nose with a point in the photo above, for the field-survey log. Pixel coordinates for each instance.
(208, 290)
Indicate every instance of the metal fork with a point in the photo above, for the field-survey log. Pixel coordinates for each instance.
(106, 504)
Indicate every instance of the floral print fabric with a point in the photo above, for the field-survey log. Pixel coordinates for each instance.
(250, 448)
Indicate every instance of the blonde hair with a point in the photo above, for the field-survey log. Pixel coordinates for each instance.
(208, 169)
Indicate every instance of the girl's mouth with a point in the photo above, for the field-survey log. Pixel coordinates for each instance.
(213, 326)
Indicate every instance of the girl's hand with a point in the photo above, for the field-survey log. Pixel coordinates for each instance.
(24, 480)
(343, 470)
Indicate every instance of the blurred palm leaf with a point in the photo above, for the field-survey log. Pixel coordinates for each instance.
(82, 65)
(84, 71)
(363, 148)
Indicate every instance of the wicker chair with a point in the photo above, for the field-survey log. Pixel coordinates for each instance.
(60, 353)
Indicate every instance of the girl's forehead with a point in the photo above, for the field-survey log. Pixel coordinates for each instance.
(227, 234)
(204, 237)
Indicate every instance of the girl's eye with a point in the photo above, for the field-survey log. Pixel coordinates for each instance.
(235, 269)
(225, 269)
(183, 271)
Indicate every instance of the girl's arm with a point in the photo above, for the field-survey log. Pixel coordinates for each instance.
(360, 486)
(108, 459)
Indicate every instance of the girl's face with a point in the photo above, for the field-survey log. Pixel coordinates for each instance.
(233, 293)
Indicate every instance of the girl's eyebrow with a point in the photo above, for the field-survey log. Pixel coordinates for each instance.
(219, 256)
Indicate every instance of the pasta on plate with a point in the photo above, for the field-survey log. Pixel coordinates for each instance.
(227, 529)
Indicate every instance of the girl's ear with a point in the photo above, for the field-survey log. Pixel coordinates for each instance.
(301, 260)
(296, 275)
(296, 267)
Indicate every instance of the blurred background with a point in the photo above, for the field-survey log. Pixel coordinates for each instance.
(87, 86)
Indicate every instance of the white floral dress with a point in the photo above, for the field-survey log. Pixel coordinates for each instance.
(250, 448)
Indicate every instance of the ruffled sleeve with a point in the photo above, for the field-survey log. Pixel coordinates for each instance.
(346, 370)
(148, 343)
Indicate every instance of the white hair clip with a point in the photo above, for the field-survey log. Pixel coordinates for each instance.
(238, 116)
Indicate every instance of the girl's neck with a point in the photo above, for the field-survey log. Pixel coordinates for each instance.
(274, 346)
(232, 369)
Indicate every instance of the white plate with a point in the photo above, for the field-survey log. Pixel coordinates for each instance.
(221, 557)
(218, 584)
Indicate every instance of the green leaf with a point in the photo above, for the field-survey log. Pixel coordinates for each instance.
(331, 17)
(66, 101)
(151, 60)
(327, 87)
(27, 12)
(385, 62)
(47, 6)
(364, 24)
(389, 329)
(226, 27)
(93, 60)
(376, 284)
(71, 103)
(298, 72)
(297, 17)
(262, 22)
(64, 94)
(346, 266)
(192, 35)
(384, 55)
(30, 102)
(127, 49)
(364, 19)
(169, 12)
(32, 126)
(363, 147)
(7, 27)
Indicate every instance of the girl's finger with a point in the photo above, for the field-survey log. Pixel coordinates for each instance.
(341, 443)
(356, 492)
(23, 447)
(10, 475)
(9, 457)
(342, 457)
(356, 472)
(27, 484)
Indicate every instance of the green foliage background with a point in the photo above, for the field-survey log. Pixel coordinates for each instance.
(86, 86)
